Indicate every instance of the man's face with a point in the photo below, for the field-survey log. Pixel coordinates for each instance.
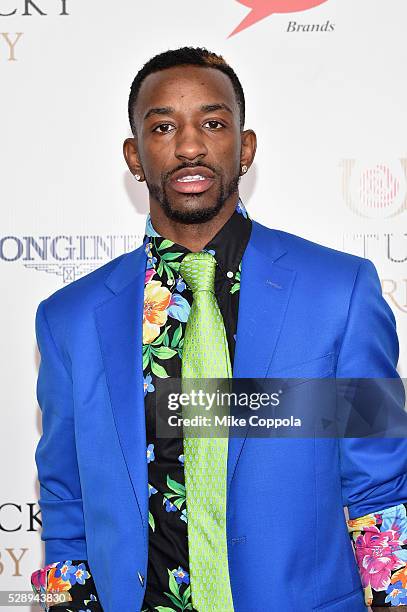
(188, 141)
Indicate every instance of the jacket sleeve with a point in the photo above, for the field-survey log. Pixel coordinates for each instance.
(63, 529)
(374, 470)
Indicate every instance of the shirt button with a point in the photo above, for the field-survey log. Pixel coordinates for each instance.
(141, 578)
(170, 281)
(229, 274)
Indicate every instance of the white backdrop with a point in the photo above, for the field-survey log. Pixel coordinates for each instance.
(328, 105)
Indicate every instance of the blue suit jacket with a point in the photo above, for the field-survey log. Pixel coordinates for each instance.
(317, 312)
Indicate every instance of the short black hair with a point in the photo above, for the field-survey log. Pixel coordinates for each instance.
(184, 56)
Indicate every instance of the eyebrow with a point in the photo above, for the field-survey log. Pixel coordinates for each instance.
(163, 110)
(205, 108)
(208, 108)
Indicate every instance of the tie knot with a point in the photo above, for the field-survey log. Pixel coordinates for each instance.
(198, 271)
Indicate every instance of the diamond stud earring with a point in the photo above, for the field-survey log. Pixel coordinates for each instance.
(137, 177)
(244, 169)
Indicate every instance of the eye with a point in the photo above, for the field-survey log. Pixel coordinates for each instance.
(160, 126)
(214, 121)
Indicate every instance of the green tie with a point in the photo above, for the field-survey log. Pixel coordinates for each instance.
(206, 355)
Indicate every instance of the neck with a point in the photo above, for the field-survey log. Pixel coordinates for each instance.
(193, 236)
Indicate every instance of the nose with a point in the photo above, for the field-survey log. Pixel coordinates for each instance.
(190, 144)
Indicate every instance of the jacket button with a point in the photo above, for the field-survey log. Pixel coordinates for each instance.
(141, 578)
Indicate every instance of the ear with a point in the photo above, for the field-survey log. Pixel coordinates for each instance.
(248, 148)
(130, 152)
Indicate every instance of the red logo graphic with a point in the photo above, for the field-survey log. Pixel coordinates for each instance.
(263, 8)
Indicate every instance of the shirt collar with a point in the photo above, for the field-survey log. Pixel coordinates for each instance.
(227, 246)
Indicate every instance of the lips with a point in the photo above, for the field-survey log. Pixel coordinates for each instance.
(192, 180)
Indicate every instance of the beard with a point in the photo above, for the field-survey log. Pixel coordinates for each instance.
(193, 211)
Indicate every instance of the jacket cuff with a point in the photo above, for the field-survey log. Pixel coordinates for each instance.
(379, 541)
(65, 584)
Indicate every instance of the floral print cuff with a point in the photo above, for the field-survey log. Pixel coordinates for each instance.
(380, 544)
(65, 585)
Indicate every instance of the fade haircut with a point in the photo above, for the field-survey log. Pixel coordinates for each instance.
(185, 56)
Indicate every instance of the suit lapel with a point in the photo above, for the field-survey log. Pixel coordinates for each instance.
(119, 323)
(265, 289)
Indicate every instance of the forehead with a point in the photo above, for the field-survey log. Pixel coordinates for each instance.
(185, 88)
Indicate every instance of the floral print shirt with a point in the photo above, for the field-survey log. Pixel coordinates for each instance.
(167, 301)
(379, 539)
(380, 544)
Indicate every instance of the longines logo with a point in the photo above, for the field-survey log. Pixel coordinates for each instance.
(67, 256)
(375, 189)
(25, 8)
(260, 9)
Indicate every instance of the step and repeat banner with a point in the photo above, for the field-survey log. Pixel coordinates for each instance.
(325, 93)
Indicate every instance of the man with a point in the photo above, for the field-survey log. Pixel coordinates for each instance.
(260, 526)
